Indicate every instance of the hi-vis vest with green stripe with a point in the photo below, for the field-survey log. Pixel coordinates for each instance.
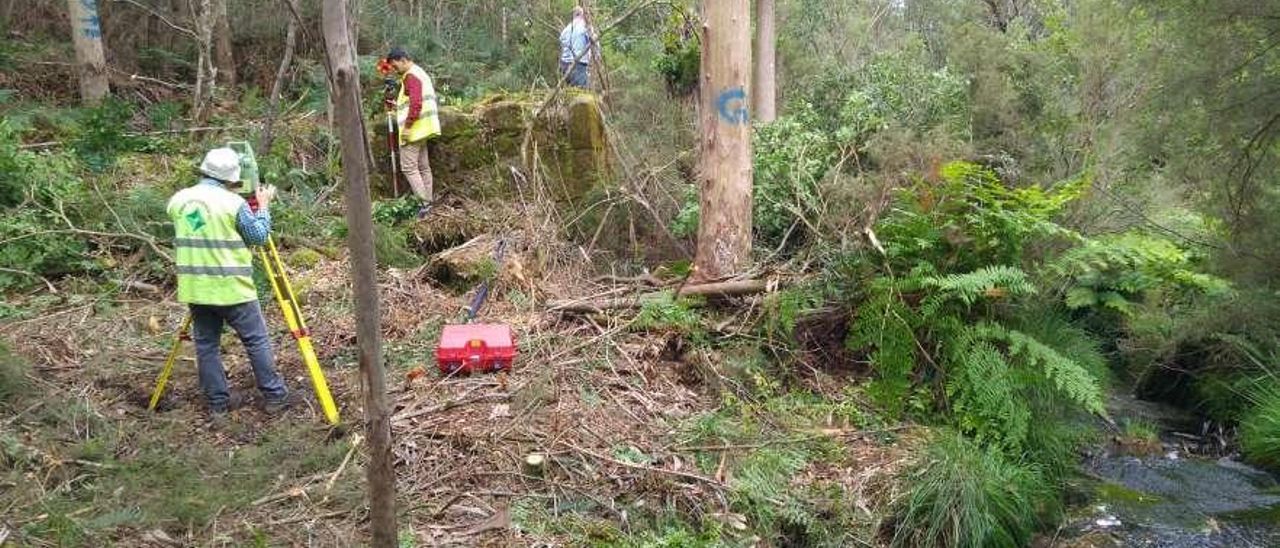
(215, 267)
(428, 123)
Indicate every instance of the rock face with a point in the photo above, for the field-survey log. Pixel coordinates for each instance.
(478, 143)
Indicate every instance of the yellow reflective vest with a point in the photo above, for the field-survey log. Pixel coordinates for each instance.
(215, 267)
(428, 122)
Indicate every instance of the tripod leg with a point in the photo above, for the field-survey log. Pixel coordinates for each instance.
(168, 363)
(288, 302)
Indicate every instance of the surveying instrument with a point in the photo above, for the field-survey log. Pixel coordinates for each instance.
(280, 287)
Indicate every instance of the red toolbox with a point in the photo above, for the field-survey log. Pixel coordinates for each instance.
(479, 348)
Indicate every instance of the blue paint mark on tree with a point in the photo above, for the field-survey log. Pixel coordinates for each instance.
(91, 24)
(732, 106)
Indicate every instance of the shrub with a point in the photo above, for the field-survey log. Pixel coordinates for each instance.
(391, 244)
(962, 495)
(1260, 428)
(13, 377)
(101, 134)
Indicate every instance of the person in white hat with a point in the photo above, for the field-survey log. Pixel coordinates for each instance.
(213, 231)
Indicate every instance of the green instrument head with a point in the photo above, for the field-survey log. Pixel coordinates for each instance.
(250, 180)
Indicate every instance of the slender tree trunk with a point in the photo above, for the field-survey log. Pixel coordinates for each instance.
(224, 57)
(345, 87)
(91, 62)
(282, 73)
(206, 72)
(597, 57)
(724, 227)
(765, 90)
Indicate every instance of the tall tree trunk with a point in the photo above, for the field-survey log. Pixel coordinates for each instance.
(224, 57)
(345, 87)
(724, 227)
(765, 90)
(282, 73)
(206, 72)
(91, 62)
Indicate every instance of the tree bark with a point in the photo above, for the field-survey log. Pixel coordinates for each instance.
(224, 57)
(724, 227)
(718, 289)
(345, 88)
(206, 72)
(282, 73)
(766, 83)
(91, 62)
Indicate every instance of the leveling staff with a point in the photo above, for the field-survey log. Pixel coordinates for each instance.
(214, 228)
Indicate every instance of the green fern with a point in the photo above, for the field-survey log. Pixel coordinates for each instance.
(985, 399)
(1110, 273)
(1073, 379)
(886, 326)
(988, 282)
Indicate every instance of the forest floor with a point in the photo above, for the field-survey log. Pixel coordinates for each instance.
(647, 433)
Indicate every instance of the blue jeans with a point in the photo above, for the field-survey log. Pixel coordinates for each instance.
(577, 74)
(247, 321)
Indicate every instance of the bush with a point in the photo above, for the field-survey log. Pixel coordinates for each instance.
(962, 495)
(391, 244)
(13, 378)
(943, 312)
(1260, 428)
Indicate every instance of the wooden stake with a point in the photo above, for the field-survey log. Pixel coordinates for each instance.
(345, 90)
(534, 464)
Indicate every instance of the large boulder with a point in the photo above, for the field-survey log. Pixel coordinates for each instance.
(479, 142)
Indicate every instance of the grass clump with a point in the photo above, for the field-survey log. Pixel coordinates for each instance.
(13, 378)
(1260, 429)
(963, 495)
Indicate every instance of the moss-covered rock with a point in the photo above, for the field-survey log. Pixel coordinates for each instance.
(304, 258)
(477, 144)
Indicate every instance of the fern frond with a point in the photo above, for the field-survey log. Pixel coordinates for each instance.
(984, 394)
(1071, 378)
(986, 282)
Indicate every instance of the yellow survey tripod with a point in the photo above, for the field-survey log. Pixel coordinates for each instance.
(285, 297)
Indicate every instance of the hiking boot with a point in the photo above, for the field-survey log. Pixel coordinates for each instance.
(275, 406)
(234, 401)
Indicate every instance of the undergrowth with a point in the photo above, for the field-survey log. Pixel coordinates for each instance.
(13, 378)
(115, 477)
(964, 495)
(965, 322)
(1260, 428)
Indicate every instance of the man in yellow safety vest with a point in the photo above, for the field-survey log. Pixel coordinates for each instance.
(213, 229)
(418, 114)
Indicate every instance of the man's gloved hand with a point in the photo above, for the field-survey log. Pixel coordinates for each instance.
(264, 195)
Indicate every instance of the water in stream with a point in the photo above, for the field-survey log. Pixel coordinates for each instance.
(1171, 498)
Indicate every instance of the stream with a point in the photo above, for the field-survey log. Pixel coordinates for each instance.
(1173, 492)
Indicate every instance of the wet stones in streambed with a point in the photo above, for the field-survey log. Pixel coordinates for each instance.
(1175, 502)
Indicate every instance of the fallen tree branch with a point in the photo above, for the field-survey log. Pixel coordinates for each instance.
(687, 475)
(30, 274)
(139, 286)
(645, 279)
(155, 13)
(51, 144)
(719, 289)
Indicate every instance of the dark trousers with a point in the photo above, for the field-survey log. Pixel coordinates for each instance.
(577, 74)
(247, 321)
